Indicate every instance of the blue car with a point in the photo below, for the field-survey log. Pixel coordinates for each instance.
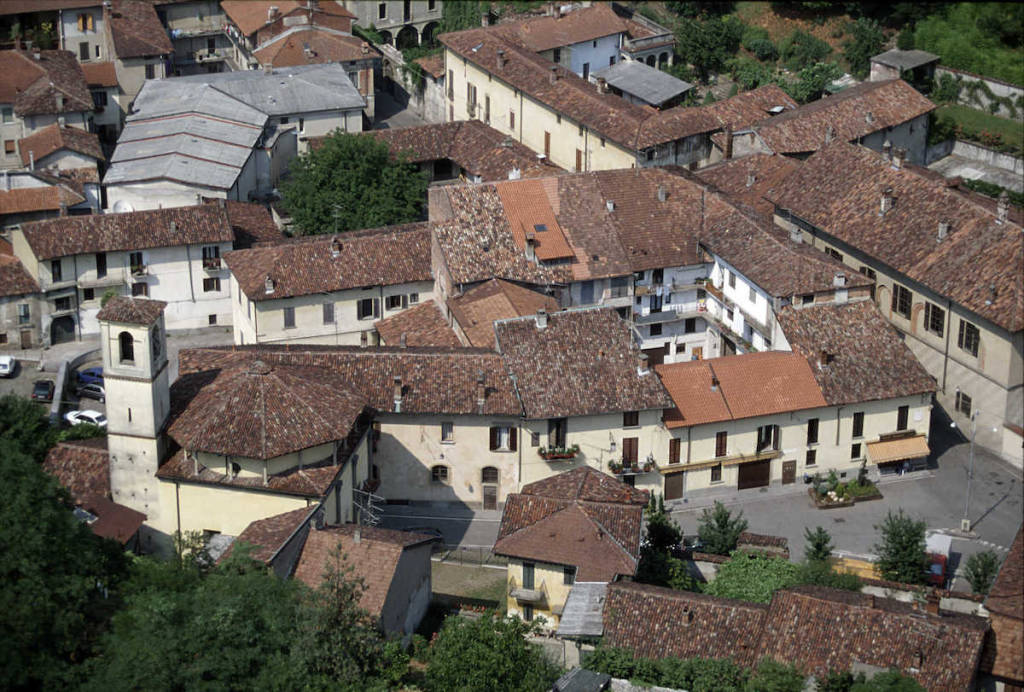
(91, 376)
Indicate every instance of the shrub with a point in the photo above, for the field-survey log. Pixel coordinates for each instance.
(749, 74)
(819, 544)
(981, 571)
(800, 50)
(753, 577)
(866, 40)
(719, 530)
(901, 552)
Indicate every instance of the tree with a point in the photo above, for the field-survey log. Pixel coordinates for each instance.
(866, 40)
(490, 652)
(811, 82)
(719, 531)
(905, 39)
(456, 16)
(772, 676)
(752, 577)
(981, 571)
(889, 681)
(352, 182)
(819, 544)
(58, 580)
(800, 50)
(23, 423)
(663, 533)
(707, 44)
(901, 552)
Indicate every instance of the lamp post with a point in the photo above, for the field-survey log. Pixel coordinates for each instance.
(965, 523)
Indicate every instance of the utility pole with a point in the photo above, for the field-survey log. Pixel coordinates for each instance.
(965, 523)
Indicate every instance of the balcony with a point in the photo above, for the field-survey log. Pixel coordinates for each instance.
(537, 594)
(728, 460)
(139, 270)
(212, 264)
(558, 453)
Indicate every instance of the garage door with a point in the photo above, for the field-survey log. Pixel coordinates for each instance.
(755, 474)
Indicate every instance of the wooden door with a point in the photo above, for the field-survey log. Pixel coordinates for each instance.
(26, 338)
(755, 474)
(579, 160)
(674, 486)
(789, 472)
(490, 497)
(630, 449)
(547, 144)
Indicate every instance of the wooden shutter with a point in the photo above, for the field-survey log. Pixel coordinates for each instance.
(88, 22)
(81, 22)
(721, 444)
(494, 438)
(579, 160)
(513, 438)
(630, 448)
(674, 446)
(376, 308)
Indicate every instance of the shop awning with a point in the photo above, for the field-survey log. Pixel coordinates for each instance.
(885, 451)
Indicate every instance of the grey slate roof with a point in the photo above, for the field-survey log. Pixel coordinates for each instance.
(643, 81)
(176, 167)
(581, 616)
(905, 59)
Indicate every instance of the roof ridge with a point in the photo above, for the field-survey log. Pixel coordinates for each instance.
(601, 527)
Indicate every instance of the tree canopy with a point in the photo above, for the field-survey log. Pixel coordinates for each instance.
(352, 182)
(901, 550)
(719, 530)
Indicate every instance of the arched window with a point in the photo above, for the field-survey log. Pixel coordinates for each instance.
(489, 474)
(127, 347)
(439, 474)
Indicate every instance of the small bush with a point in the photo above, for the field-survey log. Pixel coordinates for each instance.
(800, 50)
(981, 571)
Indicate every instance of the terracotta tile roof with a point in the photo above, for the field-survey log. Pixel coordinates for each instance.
(48, 140)
(748, 385)
(250, 15)
(433, 64)
(382, 257)
(822, 630)
(479, 308)
(528, 209)
(839, 191)
(325, 45)
(747, 179)
(582, 363)
(263, 411)
(586, 484)
(422, 325)
(852, 113)
(26, 6)
(113, 520)
(44, 198)
(308, 481)
(374, 559)
(864, 357)
(1006, 597)
(586, 24)
(81, 466)
(14, 278)
(656, 622)
(471, 144)
(34, 86)
(100, 74)
(267, 536)
(131, 310)
(434, 380)
(136, 230)
(252, 224)
(136, 30)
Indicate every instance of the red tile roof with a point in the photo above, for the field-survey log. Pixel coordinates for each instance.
(1006, 597)
(433, 64)
(44, 198)
(740, 386)
(251, 15)
(113, 520)
(136, 31)
(582, 363)
(81, 466)
(381, 257)
(864, 357)
(14, 278)
(311, 482)
(479, 308)
(586, 484)
(267, 536)
(136, 230)
(252, 224)
(747, 179)
(36, 86)
(421, 325)
(324, 45)
(528, 209)
(586, 24)
(48, 140)
(839, 189)
(100, 74)
(131, 310)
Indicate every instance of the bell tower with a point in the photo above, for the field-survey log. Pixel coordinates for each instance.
(134, 345)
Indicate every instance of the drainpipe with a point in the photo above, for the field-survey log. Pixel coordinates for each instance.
(78, 305)
(177, 504)
(191, 282)
(945, 353)
(838, 411)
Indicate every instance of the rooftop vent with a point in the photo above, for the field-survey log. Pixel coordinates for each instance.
(641, 363)
(398, 393)
(839, 280)
(501, 58)
(887, 201)
(335, 247)
(542, 318)
(610, 205)
(899, 157)
(481, 391)
(531, 247)
(602, 85)
(515, 174)
(714, 382)
(887, 149)
(662, 193)
(825, 358)
(268, 285)
(751, 177)
(943, 230)
(869, 117)
(830, 134)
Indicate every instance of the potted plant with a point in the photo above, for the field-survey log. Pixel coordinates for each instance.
(556, 453)
(615, 466)
(648, 466)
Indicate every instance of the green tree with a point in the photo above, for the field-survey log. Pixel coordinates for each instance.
(905, 39)
(800, 50)
(901, 552)
(456, 16)
(488, 653)
(866, 40)
(772, 676)
(821, 573)
(983, 37)
(58, 580)
(819, 544)
(889, 681)
(719, 530)
(748, 73)
(752, 577)
(981, 571)
(811, 81)
(663, 532)
(23, 423)
(352, 182)
(708, 44)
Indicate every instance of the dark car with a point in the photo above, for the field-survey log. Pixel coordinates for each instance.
(42, 390)
(92, 391)
(91, 376)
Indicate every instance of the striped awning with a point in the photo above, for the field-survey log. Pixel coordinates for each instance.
(885, 451)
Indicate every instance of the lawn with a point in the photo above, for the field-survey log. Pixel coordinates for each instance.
(974, 122)
(469, 581)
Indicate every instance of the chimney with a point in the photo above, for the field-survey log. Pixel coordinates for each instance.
(481, 391)
(932, 603)
(31, 160)
(886, 202)
(839, 280)
(641, 363)
(943, 230)
(501, 58)
(869, 118)
(830, 134)
(728, 141)
(751, 177)
(60, 101)
(541, 318)
(335, 247)
(825, 358)
(554, 74)
(364, 48)
(602, 85)
(268, 68)
(272, 13)
(398, 393)
(887, 150)
(795, 235)
(174, 227)
(402, 341)
(662, 193)
(514, 173)
(610, 205)
(1002, 207)
(899, 156)
(364, 339)
(872, 601)
(714, 382)
(268, 285)
(63, 208)
(531, 247)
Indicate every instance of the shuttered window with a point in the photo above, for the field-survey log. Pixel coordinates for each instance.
(674, 445)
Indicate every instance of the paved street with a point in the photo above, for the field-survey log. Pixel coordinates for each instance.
(391, 114)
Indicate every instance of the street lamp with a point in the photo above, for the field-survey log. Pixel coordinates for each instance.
(965, 523)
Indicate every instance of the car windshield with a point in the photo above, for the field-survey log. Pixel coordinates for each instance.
(42, 387)
(100, 418)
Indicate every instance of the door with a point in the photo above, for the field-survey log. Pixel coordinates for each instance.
(62, 330)
(754, 475)
(586, 292)
(26, 338)
(655, 356)
(527, 575)
(728, 347)
(547, 145)
(579, 160)
(674, 486)
(490, 497)
(789, 472)
(630, 449)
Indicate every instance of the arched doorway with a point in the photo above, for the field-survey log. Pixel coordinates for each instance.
(62, 330)
(663, 60)
(429, 35)
(385, 37)
(407, 38)
(489, 483)
(650, 60)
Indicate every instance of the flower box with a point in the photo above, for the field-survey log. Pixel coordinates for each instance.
(558, 453)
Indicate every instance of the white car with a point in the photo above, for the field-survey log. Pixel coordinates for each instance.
(93, 417)
(7, 366)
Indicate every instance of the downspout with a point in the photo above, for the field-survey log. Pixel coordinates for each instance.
(838, 410)
(78, 305)
(586, 148)
(177, 504)
(520, 116)
(191, 284)
(945, 354)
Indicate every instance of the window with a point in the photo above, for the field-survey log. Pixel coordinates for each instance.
(447, 431)
(211, 320)
(868, 272)
(285, 120)
(126, 347)
(855, 450)
(721, 444)
(569, 575)
(732, 279)
(393, 302)
(99, 98)
(3, 338)
(674, 447)
(328, 312)
(85, 22)
(439, 474)
(9, 147)
(528, 613)
(489, 474)
(101, 265)
(690, 325)
(150, 71)
(812, 431)
(729, 314)
(934, 319)
(511, 120)
(716, 473)
(88, 294)
(630, 419)
(902, 417)
(470, 94)
(901, 300)
(211, 257)
(24, 313)
(858, 424)
(753, 295)
(657, 276)
(838, 256)
(767, 437)
(534, 438)
(503, 438)
(83, 51)
(7, 114)
(656, 330)
(135, 262)
(414, 298)
(558, 429)
(579, 160)
(62, 304)
(56, 271)
(812, 457)
(431, 5)
(97, 50)
(140, 289)
(586, 73)
(630, 451)
(611, 60)
(969, 337)
(210, 285)
(367, 308)
(807, 299)
(963, 403)
(289, 318)
(382, 10)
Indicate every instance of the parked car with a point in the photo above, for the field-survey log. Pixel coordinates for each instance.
(85, 416)
(42, 390)
(92, 391)
(91, 376)
(937, 546)
(7, 366)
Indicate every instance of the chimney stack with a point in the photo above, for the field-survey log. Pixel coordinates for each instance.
(268, 68)
(63, 207)
(31, 160)
(398, 393)
(899, 156)
(839, 280)
(542, 318)
(481, 391)
(554, 73)
(886, 202)
(402, 341)
(662, 193)
(364, 48)
(751, 177)
(830, 134)
(887, 150)
(514, 173)
(60, 101)
(943, 230)
(610, 205)
(531, 246)
(268, 285)
(714, 382)
(1002, 207)
(602, 85)
(173, 227)
(641, 363)
(727, 153)
(869, 118)
(501, 58)
(272, 13)
(335, 247)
